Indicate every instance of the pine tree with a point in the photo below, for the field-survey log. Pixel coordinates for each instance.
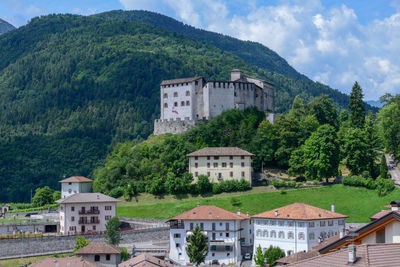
(356, 106)
(383, 172)
(259, 257)
(197, 249)
(112, 235)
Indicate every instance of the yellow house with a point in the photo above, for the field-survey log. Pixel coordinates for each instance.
(221, 164)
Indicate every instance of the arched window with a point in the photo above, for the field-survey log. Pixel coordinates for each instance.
(258, 233)
(290, 235)
(289, 252)
(281, 234)
(311, 236)
(273, 234)
(265, 234)
(301, 236)
(175, 94)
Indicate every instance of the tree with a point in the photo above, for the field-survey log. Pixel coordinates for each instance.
(296, 162)
(178, 185)
(298, 110)
(264, 145)
(272, 254)
(324, 110)
(80, 242)
(113, 235)
(259, 257)
(42, 196)
(197, 249)
(321, 153)
(125, 254)
(383, 169)
(356, 151)
(356, 106)
(56, 195)
(129, 191)
(389, 127)
(203, 185)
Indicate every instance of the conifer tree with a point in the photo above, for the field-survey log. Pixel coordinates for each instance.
(356, 106)
(197, 249)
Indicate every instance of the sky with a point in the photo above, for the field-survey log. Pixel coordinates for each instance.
(333, 42)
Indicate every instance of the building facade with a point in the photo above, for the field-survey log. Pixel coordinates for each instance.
(86, 212)
(296, 227)
(186, 101)
(75, 184)
(101, 253)
(221, 164)
(226, 233)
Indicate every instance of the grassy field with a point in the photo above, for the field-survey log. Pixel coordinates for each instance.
(358, 203)
(26, 261)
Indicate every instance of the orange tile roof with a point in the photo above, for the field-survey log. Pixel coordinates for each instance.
(76, 179)
(300, 211)
(99, 248)
(380, 214)
(145, 260)
(209, 213)
(64, 262)
(220, 151)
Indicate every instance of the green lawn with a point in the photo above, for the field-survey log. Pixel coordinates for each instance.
(358, 203)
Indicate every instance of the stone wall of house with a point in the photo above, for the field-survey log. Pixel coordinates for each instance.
(37, 245)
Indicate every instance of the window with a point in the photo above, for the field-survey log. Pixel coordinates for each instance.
(72, 228)
(330, 223)
(289, 252)
(241, 157)
(188, 103)
(227, 226)
(208, 157)
(213, 226)
(212, 254)
(62, 208)
(175, 94)
(265, 233)
(196, 82)
(322, 223)
(94, 227)
(216, 157)
(215, 164)
(301, 236)
(242, 164)
(323, 234)
(272, 222)
(72, 218)
(96, 257)
(69, 183)
(231, 164)
(165, 105)
(196, 165)
(330, 233)
(182, 103)
(107, 207)
(273, 234)
(196, 174)
(281, 223)
(165, 95)
(341, 222)
(208, 164)
(175, 104)
(301, 224)
(311, 224)
(242, 174)
(108, 257)
(311, 236)
(208, 174)
(231, 157)
(290, 235)
(227, 234)
(70, 191)
(178, 245)
(281, 234)
(191, 226)
(202, 226)
(187, 93)
(258, 232)
(231, 174)
(223, 164)
(107, 217)
(177, 235)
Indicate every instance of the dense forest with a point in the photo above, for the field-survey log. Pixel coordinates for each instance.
(71, 87)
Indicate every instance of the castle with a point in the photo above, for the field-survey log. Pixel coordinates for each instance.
(186, 101)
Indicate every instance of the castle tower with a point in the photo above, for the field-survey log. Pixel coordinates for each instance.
(75, 184)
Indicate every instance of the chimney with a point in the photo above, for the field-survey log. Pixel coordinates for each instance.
(333, 207)
(198, 204)
(352, 253)
(394, 205)
(276, 213)
(247, 213)
(238, 212)
(236, 74)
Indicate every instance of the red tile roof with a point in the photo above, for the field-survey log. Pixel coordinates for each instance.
(99, 248)
(220, 151)
(64, 262)
(209, 213)
(380, 214)
(77, 179)
(300, 211)
(145, 260)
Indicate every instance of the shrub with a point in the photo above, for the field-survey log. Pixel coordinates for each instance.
(116, 192)
(216, 188)
(278, 183)
(291, 184)
(203, 185)
(235, 201)
(384, 186)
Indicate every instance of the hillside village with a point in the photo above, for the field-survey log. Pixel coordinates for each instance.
(213, 152)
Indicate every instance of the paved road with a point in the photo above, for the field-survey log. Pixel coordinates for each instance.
(394, 172)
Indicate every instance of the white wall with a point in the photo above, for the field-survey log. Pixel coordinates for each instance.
(68, 189)
(220, 98)
(184, 111)
(114, 259)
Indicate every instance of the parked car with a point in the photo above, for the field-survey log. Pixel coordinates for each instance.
(247, 256)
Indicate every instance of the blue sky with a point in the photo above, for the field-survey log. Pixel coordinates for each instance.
(331, 41)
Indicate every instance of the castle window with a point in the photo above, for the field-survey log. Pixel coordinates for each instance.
(175, 104)
(242, 174)
(187, 103)
(231, 164)
(242, 164)
(182, 103)
(165, 105)
(215, 164)
(224, 164)
(175, 94)
(165, 95)
(196, 174)
(187, 93)
(208, 164)
(231, 174)
(208, 174)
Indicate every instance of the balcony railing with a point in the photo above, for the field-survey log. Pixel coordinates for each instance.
(89, 212)
(176, 225)
(91, 221)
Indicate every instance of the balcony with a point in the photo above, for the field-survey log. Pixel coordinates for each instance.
(91, 221)
(176, 225)
(91, 211)
(221, 246)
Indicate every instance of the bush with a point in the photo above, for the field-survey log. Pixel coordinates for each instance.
(278, 183)
(125, 254)
(116, 192)
(216, 188)
(203, 185)
(45, 207)
(291, 184)
(383, 186)
(235, 201)
(157, 186)
(354, 181)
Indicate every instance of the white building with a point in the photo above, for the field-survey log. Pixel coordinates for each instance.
(188, 100)
(296, 227)
(101, 253)
(221, 164)
(86, 212)
(227, 232)
(75, 184)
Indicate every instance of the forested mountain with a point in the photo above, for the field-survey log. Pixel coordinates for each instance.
(72, 86)
(5, 26)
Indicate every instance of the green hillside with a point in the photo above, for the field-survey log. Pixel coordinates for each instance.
(72, 86)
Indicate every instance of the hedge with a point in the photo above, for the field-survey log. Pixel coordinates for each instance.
(383, 186)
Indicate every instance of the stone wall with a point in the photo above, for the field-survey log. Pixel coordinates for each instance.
(37, 245)
(172, 126)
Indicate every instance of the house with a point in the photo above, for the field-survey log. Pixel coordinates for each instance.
(75, 184)
(226, 233)
(101, 253)
(296, 227)
(373, 255)
(85, 212)
(221, 163)
(186, 101)
(64, 262)
(145, 260)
